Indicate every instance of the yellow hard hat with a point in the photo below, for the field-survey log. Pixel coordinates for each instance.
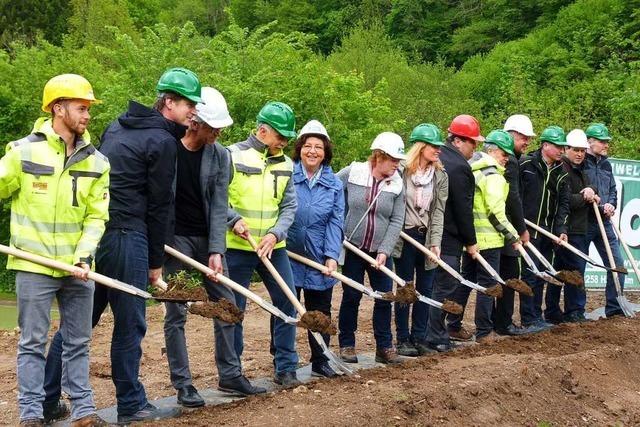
(69, 86)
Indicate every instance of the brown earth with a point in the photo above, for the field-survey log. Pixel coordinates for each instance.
(222, 309)
(576, 374)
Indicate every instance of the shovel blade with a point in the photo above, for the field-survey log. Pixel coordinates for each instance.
(341, 367)
(625, 305)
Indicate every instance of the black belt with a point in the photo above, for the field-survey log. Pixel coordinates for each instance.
(421, 229)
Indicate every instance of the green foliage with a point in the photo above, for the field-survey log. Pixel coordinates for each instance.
(20, 21)
(91, 20)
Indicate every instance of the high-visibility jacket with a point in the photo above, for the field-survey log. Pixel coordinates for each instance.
(58, 206)
(489, 200)
(257, 190)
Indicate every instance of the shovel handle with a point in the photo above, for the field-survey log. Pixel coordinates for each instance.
(399, 280)
(541, 257)
(605, 239)
(483, 262)
(96, 277)
(560, 242)
(626, 250)
(532, 265)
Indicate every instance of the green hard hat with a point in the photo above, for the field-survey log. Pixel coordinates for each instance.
(598, 131)
(279, 116)
(426, 132)
(502, 139)
(554, 135)
(181, 81)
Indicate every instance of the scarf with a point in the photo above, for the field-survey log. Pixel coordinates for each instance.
(422, 180)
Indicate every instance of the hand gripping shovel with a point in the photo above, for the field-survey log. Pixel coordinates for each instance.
(341, 277)
(564, 276)
(515, 284)
(448, 306)
(625, 305)
(96, 277)
(534, 269)
(493, 291)
(573, 249)
(299, 308)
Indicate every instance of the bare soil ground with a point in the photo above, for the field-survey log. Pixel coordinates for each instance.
(575, 374)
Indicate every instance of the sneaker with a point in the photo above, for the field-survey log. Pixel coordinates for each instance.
(536, 327)
(511, 330)
(92, 420)
(322, 370)
(460, 335)
(576, 318)
(31, 422)
(405, 348)
(388, 356)
(189, 397)
(55, 411)
(440, 348)
(287, 379)
(149, 413)
(424, 349)
(348, 354)
(240, 386)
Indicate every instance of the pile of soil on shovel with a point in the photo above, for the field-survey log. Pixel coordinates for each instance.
(178, 290)
(317, 321)
(452, 307)
(222, 309)
(494, 291)
(520, 286)
(570, 277)
(406, 294)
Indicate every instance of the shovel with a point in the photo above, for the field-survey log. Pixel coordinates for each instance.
(341, 277)
(448, 306)
(625, 305)
(573, 249)
(562, 276)
(534, 268)
(626, 250)
(96, 277)
(493, 291)
(299, 307)
(515, 284)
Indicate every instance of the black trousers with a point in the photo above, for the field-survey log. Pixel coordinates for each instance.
(503, 313)
(319, 301)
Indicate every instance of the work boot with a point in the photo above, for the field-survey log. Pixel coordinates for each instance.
(150, 413)
(575, 318)
(511, 330)
(189, 397)
(287, 379)
(348, 354)
(490, 337)
(31, 422)
(240, 386)
(405, 348)
(322, 370)
(424, 349)
(92, 420)
(54, 411)
(388, 356)
(460, 335)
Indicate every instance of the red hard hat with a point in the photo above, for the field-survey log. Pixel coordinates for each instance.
(466, 126)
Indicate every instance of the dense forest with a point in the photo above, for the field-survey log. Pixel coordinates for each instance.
(360, 66)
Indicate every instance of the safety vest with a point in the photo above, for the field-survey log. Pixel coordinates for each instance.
(58, 209)
(258, 185)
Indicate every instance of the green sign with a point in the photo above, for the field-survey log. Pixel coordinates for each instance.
(627, 218)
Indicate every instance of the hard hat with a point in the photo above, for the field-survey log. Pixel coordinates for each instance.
(69, 86)
(598, 131)
(466, 126)
(502, 139)
(181, 81)
(426, 132)
(280, 117)
(554, 135)
(519, 123)
(313, 127)
(213, 109)
(390, 143)
(577, 139)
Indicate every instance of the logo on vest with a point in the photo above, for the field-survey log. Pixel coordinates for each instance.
(40, 187)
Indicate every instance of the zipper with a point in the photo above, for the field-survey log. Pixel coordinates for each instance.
(546, 179)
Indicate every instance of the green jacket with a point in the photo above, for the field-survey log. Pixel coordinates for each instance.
(58, 206)
(493, 228)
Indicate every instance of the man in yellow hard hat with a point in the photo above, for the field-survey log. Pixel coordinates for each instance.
(58, 184)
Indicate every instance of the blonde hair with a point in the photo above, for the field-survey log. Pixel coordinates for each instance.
(413, 158)
(377, 156)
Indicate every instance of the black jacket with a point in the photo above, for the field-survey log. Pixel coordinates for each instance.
(141, 148)
(577, 180)
(544, 193)
(600, 174)
(458, 214)
(513, 207)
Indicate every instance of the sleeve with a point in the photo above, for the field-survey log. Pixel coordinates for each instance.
(335, 231)
(287, 212)
(514, 202)
(462, 200)
(96, 215)
(392, 234)
(219, 205)
(10, 170)
(613, 191)
(161, 167)
(492, 187)
(562, 212)
(437, 218)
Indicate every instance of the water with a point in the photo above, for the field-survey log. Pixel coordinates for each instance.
(9, 314)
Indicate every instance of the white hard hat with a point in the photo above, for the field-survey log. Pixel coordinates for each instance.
(391, 143)
(213, 109)
(313, 127)
(577, 139)
(520, 123)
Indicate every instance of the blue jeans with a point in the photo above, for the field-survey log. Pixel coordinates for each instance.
(410, 265)
(531, 307)
(575, 298)
(354, 268)
(122, 255)
(594, 235)
(241, 265)
(35, 294)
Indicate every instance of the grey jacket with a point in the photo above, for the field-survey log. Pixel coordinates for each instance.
(389, 217)
(288, 204)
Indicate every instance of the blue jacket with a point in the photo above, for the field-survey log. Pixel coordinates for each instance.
(601, 177)
(317, 230)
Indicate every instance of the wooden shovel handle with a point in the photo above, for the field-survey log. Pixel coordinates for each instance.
(400, 281)
(607, 247)
(478, 257)
(431, 256)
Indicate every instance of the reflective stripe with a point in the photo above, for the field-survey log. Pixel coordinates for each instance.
(248, 213)
(45, 227)
(40, 248)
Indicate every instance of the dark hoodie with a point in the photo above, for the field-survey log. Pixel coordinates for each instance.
(141, 148)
